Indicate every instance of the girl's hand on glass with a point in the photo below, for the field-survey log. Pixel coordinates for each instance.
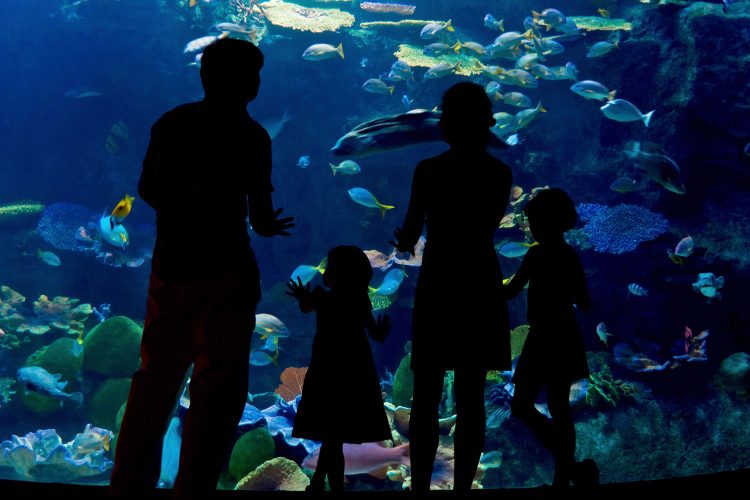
(297, 289)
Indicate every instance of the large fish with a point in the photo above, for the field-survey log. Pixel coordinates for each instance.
(39, 380)
(396, 131)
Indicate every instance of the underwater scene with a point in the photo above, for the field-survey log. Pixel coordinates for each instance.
(639, 109)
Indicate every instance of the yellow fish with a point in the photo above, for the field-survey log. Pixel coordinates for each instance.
(123, 208)
(603, 12)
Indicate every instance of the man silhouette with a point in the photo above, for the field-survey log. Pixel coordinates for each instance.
(208, 166)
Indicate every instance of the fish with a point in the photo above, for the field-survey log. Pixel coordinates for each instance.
(307, 272)
(262, 357)
(406, 102)
(91, 440)
(364, 62)
(48, 258)
(659, 166)
(433, 30)
(119, 129)
(346, 167)
(525, 117)
(40, 380)
(170, 455)
(236, 28)
(122, 209)
(516, 99)
(602, 333)
(637, 290)
(269, 326)
(401, 68)
(436, 49)
(601, 48)
(511, 39)
(492, 88)
(623, 185)
(549, 18)
(492, 23)
(82, 93)
(593, 90)
(365, 458)
(474, 47)
(621, 110)
(112, 232)
(390, 284)
(516, 76)
(304, 161)
(685, 247)
(514, 249)
(377, 86)
(275, 126)
(491, 460)
(367, 199)
(603, 12)
(395, 131)
(440, 70)
(201, 43)
(708, 285)
(322, 51)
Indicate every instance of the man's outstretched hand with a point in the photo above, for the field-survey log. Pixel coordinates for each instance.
(398, 233)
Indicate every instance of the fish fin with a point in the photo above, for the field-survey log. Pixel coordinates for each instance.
(457, 47)
(541, 108)
(106, 443)
(501, 24)
(391, 89)
(449, 26)
(340, 50)
(77, 397)
(333, 168)
(384, 208)
(536, 15)
(611, 95)
(647, 117)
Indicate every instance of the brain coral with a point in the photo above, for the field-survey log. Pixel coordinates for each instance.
(112, 348)
(276, 474)
(106, 402)
(251, 450)
(621, 228)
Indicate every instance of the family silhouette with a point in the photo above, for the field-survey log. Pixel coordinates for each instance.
(202, 298)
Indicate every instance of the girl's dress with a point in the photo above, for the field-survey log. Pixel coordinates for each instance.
(341, 395)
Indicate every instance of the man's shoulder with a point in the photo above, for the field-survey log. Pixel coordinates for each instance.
(180, 113)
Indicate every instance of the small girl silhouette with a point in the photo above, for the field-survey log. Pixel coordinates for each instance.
(553, 355)
(341, 398)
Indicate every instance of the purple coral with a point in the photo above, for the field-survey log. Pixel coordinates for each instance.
(621, 228)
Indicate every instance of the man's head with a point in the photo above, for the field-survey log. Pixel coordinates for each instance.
(230, 70)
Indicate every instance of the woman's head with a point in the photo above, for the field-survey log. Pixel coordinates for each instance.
(348, 268)
(466, 115)
(551, 212)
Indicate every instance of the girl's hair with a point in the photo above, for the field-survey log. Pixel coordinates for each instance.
(351, 267)
(552, 210)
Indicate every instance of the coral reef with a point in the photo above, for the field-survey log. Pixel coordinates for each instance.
(278, 474)
(63, 356)
(42, 456)
(112, 348)
(292, 380)
(60, 222)
(621, 228)
(597, 23)
(413, 55)
(19, 212)
(604, 388)
(397, 24)
(61, 313)
(279, 419)
(734, 374)
(517, 340)
(297, 17)
(251, 450)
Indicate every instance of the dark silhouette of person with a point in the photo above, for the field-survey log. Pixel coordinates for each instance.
(342, 371)
(207, 167)
(553, 356)
(460, 319)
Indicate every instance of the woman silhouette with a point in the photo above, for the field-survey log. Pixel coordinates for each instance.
(460, 316)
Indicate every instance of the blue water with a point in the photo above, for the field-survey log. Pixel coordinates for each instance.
(53, 149)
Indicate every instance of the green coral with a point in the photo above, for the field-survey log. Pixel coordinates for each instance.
(251, 450)
(403, 383)
(413, 55)
(19, 211)
(6, 389)
(63, 356)
(604, 388)
(112, 348)
(107, 401)
(380, 302)
(517, 340)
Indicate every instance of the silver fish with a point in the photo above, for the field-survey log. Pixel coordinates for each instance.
(40, 380)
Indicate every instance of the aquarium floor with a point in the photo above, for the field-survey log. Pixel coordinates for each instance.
(718, 486)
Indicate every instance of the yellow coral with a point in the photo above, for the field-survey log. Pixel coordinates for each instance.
(15, 209)
(596, 23)
(296, 17)
(413, 55)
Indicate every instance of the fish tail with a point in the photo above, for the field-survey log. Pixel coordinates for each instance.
(457, 47)
(647, 117)
(333, 168)
(448, 26)
(384, 208)
(340, 50)
(77, 397)
(536, 15)
(391, 89)
(501, 24)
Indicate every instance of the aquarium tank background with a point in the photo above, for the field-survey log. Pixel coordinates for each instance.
(639, 109)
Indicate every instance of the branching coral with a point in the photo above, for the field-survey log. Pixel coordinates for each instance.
(297, 17)
(621, 228)
(62, 314)
(276, 474)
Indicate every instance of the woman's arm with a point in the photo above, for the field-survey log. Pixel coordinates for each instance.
(408, 235)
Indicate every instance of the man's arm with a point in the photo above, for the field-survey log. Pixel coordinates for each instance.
(148, 184)
(263, 219)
